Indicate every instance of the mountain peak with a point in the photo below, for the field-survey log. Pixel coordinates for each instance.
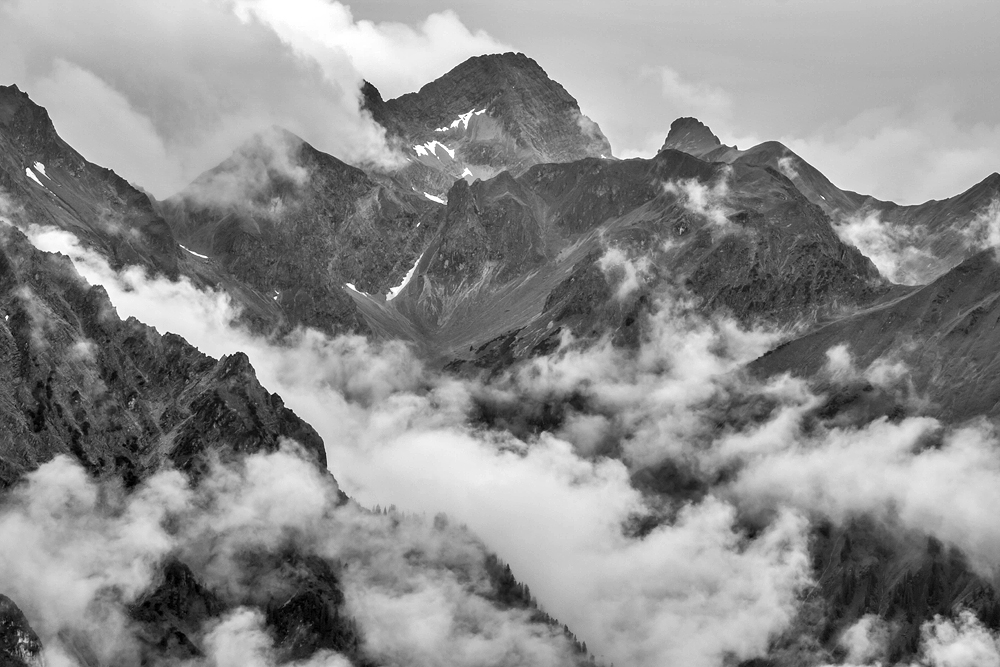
(491, 113)
(691, 136)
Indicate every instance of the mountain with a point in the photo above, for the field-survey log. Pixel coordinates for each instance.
(530, 247)
(490, 114)
(922, 241)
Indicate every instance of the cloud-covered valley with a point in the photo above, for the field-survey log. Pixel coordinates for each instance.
(658, 500)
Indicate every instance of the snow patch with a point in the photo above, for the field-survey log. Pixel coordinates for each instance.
(393, 292)
(30, 174)
(437, 199)
(276, 295)
(430, 148)
(40, 168)
(463, 120)
(196, 254)
(466, 172)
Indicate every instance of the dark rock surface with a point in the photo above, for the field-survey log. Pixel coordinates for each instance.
(19, 645)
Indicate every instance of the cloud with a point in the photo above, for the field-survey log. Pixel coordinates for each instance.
(685, 98)
(895, 249)
(962, 642)
(214, 73)
(707, 201)
(867, 640)
(396, 57)
(786, 165)
(618, 267)
(81, 552)
(902, 252)
(73, 556)
(247, 178)
(984, 229)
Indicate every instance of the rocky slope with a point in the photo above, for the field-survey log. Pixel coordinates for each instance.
(944, 332)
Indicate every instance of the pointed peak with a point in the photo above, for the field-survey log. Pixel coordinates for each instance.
(16, 104)
(510, 60)
(691, 136)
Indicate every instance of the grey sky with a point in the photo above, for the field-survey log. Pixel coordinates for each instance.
(896, 98)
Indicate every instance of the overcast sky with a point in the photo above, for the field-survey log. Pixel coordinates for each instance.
(896, 98)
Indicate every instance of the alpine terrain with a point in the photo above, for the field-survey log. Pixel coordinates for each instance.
(777, 397)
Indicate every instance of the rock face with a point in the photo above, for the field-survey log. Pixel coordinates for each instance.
(19, 645)
(490, 114)
(117, 396)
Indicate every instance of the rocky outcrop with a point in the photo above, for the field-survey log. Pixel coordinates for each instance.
(691, 136)
(19, 645)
